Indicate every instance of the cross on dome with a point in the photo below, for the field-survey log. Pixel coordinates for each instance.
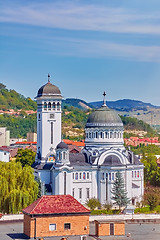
(104, 99)
(48, 77)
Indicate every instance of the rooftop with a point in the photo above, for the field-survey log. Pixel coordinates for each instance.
(55, 204)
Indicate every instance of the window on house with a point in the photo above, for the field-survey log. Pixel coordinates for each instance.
(87, 175)
(52, 227)
(80, 193)
(5, 153)
(83, 238)
(67, 226)
(87, 191)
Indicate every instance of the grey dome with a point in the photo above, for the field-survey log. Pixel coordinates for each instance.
(49, 89)
(62, 145)
(104, 117)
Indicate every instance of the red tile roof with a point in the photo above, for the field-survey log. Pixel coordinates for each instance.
(55, 204)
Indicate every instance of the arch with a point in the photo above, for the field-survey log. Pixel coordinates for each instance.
(45, 106)
(53, 105)
(58, 106)
(49, 106)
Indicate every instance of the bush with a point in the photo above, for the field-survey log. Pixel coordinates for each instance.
(93, 203)
(108, 205)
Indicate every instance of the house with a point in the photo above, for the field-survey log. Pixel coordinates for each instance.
(56, 215)
(109, 228)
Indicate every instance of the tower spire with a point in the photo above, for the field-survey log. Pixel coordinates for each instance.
(104, 99)
(48, 77)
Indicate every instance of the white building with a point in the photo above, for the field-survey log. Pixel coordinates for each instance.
(92, 172)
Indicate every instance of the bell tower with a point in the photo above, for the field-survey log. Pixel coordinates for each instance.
(48, 121)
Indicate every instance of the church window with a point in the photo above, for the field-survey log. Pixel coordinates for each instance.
(49, 106)
(51, 132)
(51, 116)
(64, 155)
(110, 134)
(87, 191)
(132, 174)
(45, 106)
(53, 106)
(103, 176)
(76, 177)
(84, 175)
(114, 134)
(112, 176)
(39, 115)
(73, 175)
(138, 174)
(135, 174)
(80, 175)
(86, 135)
(58, 106)
(96, 134)
(94, 153)
(106, 135)
(60, 156)
(109, 176)
(90, 135)
(87, 175)
(80, 193)
(65, 185)
(73, 192)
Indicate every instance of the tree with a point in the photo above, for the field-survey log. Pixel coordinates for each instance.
(152, 196)
(93, 203)
(118, 191)
(18, 189)
(25, 156)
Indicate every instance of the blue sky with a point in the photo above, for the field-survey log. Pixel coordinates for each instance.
(87, 47)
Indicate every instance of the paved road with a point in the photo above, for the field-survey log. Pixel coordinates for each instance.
(10, 231)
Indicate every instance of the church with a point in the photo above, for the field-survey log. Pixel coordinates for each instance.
(92, 172)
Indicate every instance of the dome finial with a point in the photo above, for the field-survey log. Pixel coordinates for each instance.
(48, 77)
(104, 99)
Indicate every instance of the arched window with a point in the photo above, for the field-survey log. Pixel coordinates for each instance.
(101, 134)
(58, 106)
(106, 135)
(84, 175)
(53, 106)
(96, 134)
(110, 134)
(64, 155)
(76, 176)
(45, 106)
(49, 106)
(86, 135)
(90, 135)
(114, 134)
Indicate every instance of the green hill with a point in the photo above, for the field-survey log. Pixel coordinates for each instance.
(10, 99)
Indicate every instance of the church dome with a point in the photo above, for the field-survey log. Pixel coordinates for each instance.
(62, 145)
(48, 89)
(104, 117)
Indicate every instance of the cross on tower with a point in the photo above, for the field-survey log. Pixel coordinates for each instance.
(104, 100)
(48, 77)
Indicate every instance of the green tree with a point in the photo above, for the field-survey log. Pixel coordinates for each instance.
(152, 196)
(25, 156)
(18, 188)
(118, 191)
(93, 203)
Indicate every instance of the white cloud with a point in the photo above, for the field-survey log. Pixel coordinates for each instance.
(90, 17)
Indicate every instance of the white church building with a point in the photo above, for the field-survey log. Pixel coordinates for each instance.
(90, 173)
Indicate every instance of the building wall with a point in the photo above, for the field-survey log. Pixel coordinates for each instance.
(31, 137)
(103, 229)
(79, 226)
(4, 156)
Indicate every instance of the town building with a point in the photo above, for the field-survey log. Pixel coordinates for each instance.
(31, 137)
(58, 216)
(4, 136)
(91, 172)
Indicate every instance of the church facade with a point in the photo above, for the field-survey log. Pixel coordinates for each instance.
(92, 172)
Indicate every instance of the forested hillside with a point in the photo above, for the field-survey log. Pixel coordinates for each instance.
(10, 99)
